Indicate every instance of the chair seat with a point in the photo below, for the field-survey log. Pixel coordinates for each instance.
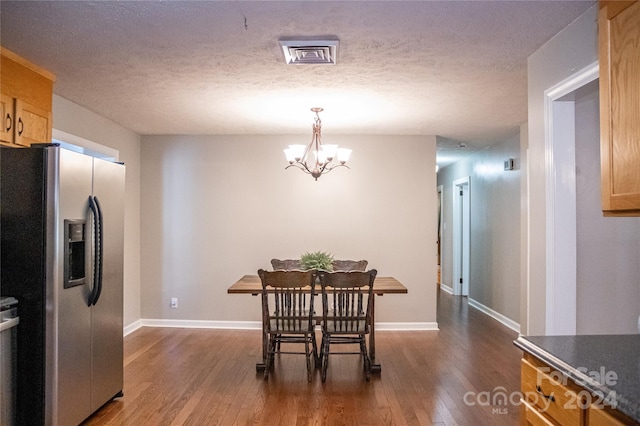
(289, 326)
(351, 327)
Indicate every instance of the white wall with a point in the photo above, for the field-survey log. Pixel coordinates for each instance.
(524, 225)
(608, 248)
(494, 270)
(217, 207)
(78, 121)
(571, 50)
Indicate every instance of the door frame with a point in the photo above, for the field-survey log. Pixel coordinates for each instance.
(440, 228)
(460, 231)
(560, 181)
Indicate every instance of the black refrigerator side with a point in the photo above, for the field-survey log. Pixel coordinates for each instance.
(25, 221)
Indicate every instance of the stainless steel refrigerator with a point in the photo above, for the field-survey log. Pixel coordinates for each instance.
(62, 232)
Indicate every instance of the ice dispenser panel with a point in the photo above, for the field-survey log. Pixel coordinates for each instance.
(74, 253)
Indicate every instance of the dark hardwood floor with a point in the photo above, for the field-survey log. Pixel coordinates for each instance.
(454, 376)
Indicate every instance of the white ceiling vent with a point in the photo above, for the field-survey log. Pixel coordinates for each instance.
(302, 52)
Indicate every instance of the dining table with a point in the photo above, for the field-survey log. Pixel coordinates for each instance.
(251, 284)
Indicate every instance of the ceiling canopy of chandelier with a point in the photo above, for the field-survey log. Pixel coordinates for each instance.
(317, 158)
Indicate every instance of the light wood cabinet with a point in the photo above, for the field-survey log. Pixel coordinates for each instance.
(7, 111)
(551, 398)
(533, 417)
(26, 93)
(33, 124)
(600, 417)
(619, 57)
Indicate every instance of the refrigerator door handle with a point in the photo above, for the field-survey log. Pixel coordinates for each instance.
(100, 259)
(97, 250)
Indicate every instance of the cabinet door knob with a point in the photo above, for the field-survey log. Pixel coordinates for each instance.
(20, 126)
(9, 122)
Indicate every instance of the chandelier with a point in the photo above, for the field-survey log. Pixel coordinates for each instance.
(317, 158)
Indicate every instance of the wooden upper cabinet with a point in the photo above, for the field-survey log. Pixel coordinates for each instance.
(33, 124)
(26, 98)
(7, 112)
(619, 52)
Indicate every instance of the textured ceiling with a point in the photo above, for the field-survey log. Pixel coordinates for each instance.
(456, 69)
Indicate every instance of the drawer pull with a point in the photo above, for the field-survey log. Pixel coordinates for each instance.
(549, 397)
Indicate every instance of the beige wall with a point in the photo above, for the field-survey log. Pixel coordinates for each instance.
(78, 121)
(524, 226)
(217, 207)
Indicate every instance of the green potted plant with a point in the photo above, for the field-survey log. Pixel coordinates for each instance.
(318, 260)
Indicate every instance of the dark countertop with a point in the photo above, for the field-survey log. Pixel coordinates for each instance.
(607, 365)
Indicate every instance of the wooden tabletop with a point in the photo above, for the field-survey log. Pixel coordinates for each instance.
(251, 284)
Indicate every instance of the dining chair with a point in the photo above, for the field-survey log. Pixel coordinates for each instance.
(346, 313)
(285, 264)
(350, 265)
(287, 301)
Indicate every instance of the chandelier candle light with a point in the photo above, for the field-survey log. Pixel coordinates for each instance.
(323, 155)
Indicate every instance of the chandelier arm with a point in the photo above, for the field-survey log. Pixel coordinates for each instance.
(327, 170)
(300, 166)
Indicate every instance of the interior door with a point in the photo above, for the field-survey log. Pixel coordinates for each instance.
(461, 236)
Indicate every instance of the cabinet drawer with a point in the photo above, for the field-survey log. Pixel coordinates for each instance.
(549, 393)
(533, 417)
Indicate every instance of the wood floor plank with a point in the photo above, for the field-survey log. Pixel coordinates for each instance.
(207, 377)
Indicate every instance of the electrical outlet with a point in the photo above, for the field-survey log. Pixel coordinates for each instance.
(174, 303)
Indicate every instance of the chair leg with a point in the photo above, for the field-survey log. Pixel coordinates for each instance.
(316, 357)
(270, 357)
(367, 361)
(307, 351)
(325, 357)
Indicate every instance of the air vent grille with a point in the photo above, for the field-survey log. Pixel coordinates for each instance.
(299, 52)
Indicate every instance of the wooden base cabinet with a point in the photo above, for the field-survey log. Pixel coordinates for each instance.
(549, 398)
(549, 395)
(619, 58)
(600, 417)
(26, 97)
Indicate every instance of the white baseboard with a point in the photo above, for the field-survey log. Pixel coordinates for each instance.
(132, 327)
(495, 315)
(257, 325)
(446, 288)
(407, 326)
(222, 325)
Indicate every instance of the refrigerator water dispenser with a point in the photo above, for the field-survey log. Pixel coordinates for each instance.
(74, 253)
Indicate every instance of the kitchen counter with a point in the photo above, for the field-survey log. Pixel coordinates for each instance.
(606, 365)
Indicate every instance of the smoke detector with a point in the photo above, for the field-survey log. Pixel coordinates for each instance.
(303, 52)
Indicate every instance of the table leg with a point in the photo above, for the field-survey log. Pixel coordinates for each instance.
(260, 366)
(375, 368)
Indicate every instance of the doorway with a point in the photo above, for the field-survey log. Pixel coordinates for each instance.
(461, 227)
(561, 248)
